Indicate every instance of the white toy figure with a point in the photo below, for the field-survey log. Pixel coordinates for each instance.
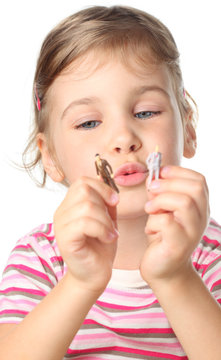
(153, 162)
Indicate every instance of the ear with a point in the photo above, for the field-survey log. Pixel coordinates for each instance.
(48, 162)
(190, 143)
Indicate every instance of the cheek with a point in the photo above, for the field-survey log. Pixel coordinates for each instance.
(175, 145)
(171, 142)
(75, 161)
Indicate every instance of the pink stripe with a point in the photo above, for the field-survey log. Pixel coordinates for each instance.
(213, 229)
(20, 302)
(129, 350)
(112, 337)
(204, 254)
(132, 330)
(22, 246)
(199, 266)
(56, 258)
(13, 312)
(40, 234)
(215, 232)
(59, 274)
(142, 316)
(20, 256)
(121, 307)
(214, 275)
(30, 271)
(211, 241)
(42, 230)
(6, 321)
(212, 222)
(47, 247)
(13, 277)
(28, 291)
(216, 283)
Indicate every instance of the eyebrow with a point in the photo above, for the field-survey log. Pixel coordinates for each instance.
(143, 89)
(92, 100)
(83, 101)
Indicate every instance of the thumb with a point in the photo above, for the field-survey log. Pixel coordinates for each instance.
(112, 210)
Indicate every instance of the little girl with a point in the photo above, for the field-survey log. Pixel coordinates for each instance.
(134, 275)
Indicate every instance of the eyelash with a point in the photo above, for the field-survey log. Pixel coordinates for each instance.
(82, 126)
(150, 114)
(142, 113)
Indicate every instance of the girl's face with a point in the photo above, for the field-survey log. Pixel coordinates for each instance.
(120, 114)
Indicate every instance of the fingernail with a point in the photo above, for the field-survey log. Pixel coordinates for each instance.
(154, 185)
(112, 235)
(114, 198)
(165, 170)
(148, 205)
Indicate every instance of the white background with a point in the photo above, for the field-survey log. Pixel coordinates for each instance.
(196, 27)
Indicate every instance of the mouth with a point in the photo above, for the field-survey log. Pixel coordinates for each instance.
(130, 174)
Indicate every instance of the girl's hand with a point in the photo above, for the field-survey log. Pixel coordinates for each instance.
(85, 230)
(178, 216)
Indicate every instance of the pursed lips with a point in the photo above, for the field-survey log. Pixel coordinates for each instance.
(130, 174)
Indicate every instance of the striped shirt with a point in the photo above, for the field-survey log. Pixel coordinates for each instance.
(126, 322)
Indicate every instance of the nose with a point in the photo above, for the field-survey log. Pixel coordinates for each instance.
(124, 140)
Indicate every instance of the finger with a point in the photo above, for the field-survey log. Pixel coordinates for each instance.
(174, 241)
(88, 227)
(171, 171)
(193, 188)
(89, 209)
(161, 223)
(112, 210)
(84, 186)
(184, 210)
(85, 189)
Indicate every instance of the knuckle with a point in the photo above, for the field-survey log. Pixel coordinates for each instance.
(82, 221)
(107, 191)
(199, 188)
(88, 207)
(81, 181)
(57, 215)
(166, 220)
(186, 202)
(85, 190)
(202, 179)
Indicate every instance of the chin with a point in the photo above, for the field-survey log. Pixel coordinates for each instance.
(130, 210)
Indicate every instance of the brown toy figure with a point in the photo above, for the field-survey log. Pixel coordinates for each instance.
(104, 170)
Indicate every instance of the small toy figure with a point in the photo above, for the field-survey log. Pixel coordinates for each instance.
(104, 170)
(153, 162)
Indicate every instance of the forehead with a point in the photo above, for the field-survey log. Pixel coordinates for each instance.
(88, 64)
(103, 78)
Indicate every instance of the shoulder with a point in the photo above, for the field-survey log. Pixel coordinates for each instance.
(39, 236)
(208, 250)
(207, 259)
(213, 231)
(212, 237)
(33, 268)
(38, 249)
(40, 239)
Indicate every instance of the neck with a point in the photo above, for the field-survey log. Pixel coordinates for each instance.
(132, 243)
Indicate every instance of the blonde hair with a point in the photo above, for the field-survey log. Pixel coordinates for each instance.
(120, 29)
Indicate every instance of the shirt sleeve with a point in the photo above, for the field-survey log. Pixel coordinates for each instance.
(33, 269)
(207, 259)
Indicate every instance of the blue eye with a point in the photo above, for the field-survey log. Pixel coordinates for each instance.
(88, 124)
(146, 114)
